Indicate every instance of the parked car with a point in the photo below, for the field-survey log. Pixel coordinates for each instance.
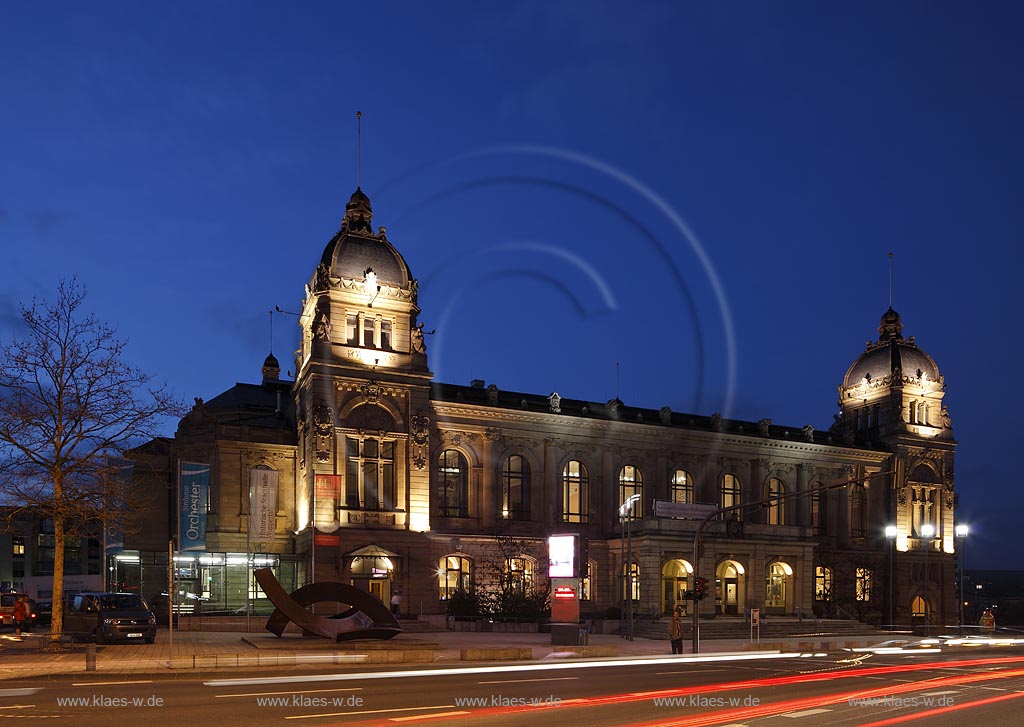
(110, 617)
(7, 601)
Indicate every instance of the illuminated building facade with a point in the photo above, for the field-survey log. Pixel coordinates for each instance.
(392, 481)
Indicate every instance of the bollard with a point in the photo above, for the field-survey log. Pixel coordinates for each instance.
(90, 657)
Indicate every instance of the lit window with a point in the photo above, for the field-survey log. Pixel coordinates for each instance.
(18, 549)
(822, 583)
(369, 474)
(519, 574)
(575, 492)
(682, 487)
(731, 493)
(515, 477)
(631, 482)
(453, 483)
(385, 335)
(635, 581)
(455, 575)
(864, 584)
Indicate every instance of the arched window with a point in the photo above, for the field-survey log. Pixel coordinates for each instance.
(519, 575)
(819, 509)
(682, 487)
(822, 583)
(631, 482)
(864, 584)
(453, 483)
(515, 485)
(575, 492)
(777, 507)
(731, 493)
(919, 607)
(455, 574)
(775, 585)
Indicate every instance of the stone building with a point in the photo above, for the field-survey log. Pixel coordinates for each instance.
(392, 481)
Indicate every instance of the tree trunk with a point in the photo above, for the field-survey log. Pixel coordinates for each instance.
(57, 614)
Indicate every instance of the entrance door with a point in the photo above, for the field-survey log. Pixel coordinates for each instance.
(731, 596)
(377, 590)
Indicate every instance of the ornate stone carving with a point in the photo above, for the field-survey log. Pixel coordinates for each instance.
(371, 391)
(492, 434)
(763, 427)
(613, 408)
(716, 422)
(420, 438)
(323, 420)
(808, 433)
(555, 403)
(492, 395)
(321, 278)
(665, 415)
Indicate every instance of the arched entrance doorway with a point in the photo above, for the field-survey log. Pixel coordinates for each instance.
(777, 590)
(372, 570)
(675, 581)
(920, 610)
(730, 587)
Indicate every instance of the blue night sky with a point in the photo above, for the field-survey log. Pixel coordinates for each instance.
(704, 194)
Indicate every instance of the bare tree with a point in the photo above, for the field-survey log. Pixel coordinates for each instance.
(69, 408)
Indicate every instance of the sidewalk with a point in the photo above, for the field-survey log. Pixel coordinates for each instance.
(231, 651)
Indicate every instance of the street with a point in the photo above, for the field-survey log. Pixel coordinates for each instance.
(944, 687)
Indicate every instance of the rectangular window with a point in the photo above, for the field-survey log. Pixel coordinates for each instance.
(18, 550)
(352, 329)
(369, 474)
(385, 335)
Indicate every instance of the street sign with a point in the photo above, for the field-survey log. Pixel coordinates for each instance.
(684, 510)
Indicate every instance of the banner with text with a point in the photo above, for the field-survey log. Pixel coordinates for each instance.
(326, 496)
(194, 489)
(262, 504)
(118, 478)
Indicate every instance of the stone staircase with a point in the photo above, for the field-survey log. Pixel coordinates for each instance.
(772, 629)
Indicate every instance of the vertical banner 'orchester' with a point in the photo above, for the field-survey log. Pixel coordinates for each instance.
(195, 492)
(262, 505)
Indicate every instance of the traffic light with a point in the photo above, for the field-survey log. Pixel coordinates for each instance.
(699, 588)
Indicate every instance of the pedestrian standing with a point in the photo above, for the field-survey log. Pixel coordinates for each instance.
(675, 633)
(20, 614)
(396, 602)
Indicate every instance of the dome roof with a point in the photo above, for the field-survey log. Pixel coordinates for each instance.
(355, 249)
(889, 353)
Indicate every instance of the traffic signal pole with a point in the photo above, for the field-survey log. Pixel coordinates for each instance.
(697, 536)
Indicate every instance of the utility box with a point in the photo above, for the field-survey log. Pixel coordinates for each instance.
(568, 634)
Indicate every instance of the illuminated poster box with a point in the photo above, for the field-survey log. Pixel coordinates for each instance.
(562, 556)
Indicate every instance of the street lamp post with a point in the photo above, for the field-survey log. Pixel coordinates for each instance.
(625, 512)
(961, 538)
(890, 535)
(927, 532)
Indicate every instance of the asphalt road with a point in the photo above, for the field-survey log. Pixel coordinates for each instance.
(954, 687)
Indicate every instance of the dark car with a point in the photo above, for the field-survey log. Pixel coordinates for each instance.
(110, 617)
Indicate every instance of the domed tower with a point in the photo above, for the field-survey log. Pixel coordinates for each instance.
(362, 393)
(893, 388)
(891, 397)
